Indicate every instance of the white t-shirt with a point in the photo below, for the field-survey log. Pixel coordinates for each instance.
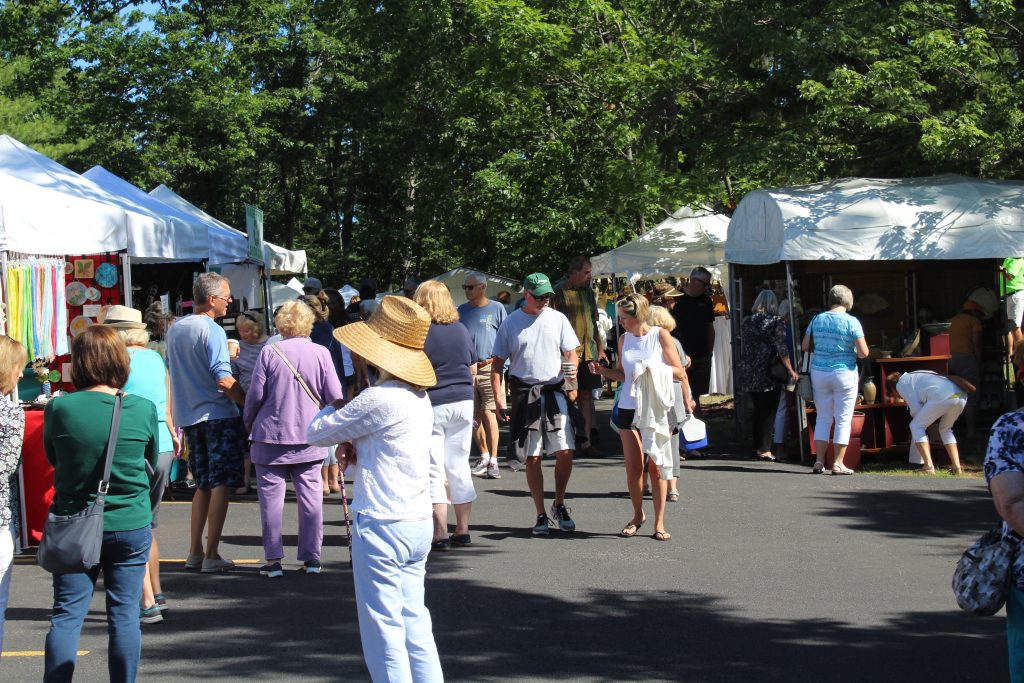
(534, 344)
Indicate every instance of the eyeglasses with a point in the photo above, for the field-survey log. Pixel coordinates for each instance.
(469, 287)
(225, 298)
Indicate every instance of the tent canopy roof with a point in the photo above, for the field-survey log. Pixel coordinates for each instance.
(675, 246)
(228, 245)
(865, 219)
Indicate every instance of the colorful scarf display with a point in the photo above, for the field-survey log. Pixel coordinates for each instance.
(37, 312)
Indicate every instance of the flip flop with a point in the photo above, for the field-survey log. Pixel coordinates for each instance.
(661, 535)
(841, 470)
(631, 529)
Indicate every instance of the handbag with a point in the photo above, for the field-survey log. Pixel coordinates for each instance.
(694, 433)
(302, 382)
(804, 389)
(777, 372)
(72, 543)
(983, 576)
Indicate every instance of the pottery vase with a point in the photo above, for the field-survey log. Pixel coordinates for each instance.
(869, 390)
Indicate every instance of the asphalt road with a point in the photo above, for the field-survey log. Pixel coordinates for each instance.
(772, 574)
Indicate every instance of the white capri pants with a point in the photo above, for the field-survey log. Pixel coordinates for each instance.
(835, 395)
(450, 442)
(945, 411)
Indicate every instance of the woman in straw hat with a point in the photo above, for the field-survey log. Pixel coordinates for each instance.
(388, 427)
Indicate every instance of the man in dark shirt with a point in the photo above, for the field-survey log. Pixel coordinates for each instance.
(695, 330)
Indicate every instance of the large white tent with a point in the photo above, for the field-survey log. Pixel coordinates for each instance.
(686, 239)
(455, 277)
(143, 232)
(228, 245)
(871, 219)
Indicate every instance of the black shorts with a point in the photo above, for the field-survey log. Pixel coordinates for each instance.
(699, 374)
(624, 418)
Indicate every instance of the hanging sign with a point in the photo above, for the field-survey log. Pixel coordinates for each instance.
(254, 227)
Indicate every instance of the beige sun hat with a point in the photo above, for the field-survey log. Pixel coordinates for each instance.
(392, 339)
(124, 317)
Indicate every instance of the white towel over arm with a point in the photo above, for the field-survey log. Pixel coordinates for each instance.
(652, 387)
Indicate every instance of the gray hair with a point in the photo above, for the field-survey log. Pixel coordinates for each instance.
(134, 337)
(205, 286)
(787, 308)
(766, 302)
(477, 278)
(701, 270)
(840, 295)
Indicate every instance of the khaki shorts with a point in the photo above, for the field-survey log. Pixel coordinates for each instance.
(540, 443)
(483, 392)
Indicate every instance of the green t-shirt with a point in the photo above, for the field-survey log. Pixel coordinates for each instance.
(75, 431)
(1015, 267)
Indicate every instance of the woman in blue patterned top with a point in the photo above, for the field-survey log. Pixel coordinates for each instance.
(13, 359)
(838, 343)
(1004, 472)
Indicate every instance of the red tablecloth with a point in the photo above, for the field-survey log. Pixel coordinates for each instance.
(37, 476)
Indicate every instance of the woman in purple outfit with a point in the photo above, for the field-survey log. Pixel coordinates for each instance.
(278, 406)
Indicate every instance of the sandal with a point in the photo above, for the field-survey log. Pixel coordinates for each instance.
(841, 469)
(661, 535)
(631, 529)
(766, 457)
(819, 467)
(672, 497)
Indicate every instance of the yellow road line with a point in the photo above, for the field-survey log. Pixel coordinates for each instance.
(35, 653)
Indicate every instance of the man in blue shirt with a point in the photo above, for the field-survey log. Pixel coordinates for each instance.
(203, 398)
(482, 317)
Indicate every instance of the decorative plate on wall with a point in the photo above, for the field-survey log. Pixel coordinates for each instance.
(106, 275)
(80, 324)
(75, 293)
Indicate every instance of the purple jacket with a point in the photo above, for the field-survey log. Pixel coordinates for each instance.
(277, 409)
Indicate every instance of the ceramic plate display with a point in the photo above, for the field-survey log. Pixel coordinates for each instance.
(75, 293)
(911, 345)
(79, 325)
(54, 376)
(92, 294)
(106, 275)
(69, 268)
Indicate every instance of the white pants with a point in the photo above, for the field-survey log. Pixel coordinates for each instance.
(389, 561)
(835, 395)
(450, 443)
(6, 559)
(946, 412)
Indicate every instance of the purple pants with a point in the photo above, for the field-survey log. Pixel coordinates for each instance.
(271, 483)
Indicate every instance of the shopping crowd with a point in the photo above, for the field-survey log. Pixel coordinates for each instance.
(395, 392)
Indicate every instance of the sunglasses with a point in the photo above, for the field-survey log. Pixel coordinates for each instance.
(250, 316)
(469, 287)
(543, 297)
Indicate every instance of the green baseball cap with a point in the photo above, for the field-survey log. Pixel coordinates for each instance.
(538, 284)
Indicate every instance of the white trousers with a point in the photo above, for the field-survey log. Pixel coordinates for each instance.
(450, 443)
(835, 395)
(946, 412)
(389, 561)
(6, 559)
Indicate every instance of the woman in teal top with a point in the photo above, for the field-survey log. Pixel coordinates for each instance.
(148, 379)
(75, 433)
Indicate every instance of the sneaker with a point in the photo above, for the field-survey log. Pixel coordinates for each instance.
(215, 565)
(561, 515)
(272, 570)
(161, 601)
(541, 528)
(194, 561)
(480, 469)
(150, 615)
(312, 567)
(492, 470)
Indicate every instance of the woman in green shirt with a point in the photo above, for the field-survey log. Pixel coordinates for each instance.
(75, 432)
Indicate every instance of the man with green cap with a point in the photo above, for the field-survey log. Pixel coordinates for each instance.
(540, 345)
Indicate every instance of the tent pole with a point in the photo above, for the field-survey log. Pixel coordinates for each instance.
(267, 313)
(126, 279)
(801, 414)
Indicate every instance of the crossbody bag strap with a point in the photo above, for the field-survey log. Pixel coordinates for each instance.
(295, 372)
(115, 426)
(805, 360)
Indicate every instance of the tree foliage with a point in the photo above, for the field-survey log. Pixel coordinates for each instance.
(390, 138)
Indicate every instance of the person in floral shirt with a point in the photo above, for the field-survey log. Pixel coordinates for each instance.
(764, 341)
(13, 359)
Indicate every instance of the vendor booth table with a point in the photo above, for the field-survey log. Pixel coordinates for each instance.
(911, 250)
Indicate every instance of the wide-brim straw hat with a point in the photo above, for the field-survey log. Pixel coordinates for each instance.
(392, 339)
(124, 317)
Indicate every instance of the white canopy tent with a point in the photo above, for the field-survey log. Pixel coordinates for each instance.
(228, 245)
(454, 278)
(145, 234)
(871, 219)
(674, 247)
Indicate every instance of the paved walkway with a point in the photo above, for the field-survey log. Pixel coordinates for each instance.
(772, 575)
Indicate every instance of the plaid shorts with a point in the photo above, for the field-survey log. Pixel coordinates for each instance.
(216, 450)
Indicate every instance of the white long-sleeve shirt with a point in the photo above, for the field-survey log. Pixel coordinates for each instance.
(655, 395)
(389, 425)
